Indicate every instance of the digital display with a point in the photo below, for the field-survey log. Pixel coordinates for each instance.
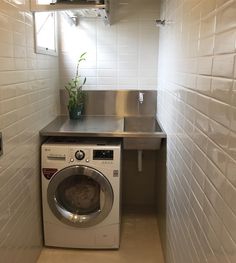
(102, 155)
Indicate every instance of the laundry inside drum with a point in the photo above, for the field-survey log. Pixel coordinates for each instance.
(79, 195)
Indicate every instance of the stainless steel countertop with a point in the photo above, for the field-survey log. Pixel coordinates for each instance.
(93, 126)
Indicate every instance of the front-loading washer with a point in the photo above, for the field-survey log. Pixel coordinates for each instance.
(81, 194)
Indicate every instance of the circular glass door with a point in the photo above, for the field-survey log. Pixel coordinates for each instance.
(80, 196)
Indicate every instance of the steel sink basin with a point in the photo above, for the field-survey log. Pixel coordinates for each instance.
(142, 133)
(141, 124)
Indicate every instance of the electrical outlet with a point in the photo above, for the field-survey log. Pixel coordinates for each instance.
(1, 145)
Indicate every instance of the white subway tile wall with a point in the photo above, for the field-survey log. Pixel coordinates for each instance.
(120, 56)
(197, 107)
(29, 99)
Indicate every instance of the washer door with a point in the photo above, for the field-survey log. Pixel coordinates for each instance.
(80, 196)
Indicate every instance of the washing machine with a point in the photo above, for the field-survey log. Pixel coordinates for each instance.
(81, 194)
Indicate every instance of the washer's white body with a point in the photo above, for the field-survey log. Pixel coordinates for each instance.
(103, 235)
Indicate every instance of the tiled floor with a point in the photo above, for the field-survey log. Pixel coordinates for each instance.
(140, 243)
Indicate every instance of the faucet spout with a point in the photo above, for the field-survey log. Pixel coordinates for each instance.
(140, 97)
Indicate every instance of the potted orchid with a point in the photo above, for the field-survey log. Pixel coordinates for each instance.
(76, 95)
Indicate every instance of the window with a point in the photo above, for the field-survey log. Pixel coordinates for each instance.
(45, 33)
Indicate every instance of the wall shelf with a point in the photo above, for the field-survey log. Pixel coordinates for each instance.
(63, 6)
(80, 8)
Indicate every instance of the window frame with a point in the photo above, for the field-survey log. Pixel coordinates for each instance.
(43, 50)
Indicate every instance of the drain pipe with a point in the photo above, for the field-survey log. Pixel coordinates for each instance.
(140, 160)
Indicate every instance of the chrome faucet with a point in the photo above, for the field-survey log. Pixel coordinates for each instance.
(140, 97)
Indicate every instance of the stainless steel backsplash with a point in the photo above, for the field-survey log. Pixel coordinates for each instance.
(116, 103)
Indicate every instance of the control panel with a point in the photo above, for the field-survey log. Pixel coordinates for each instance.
(103, 154)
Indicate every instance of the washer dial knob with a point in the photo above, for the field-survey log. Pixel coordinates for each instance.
(79, 155)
